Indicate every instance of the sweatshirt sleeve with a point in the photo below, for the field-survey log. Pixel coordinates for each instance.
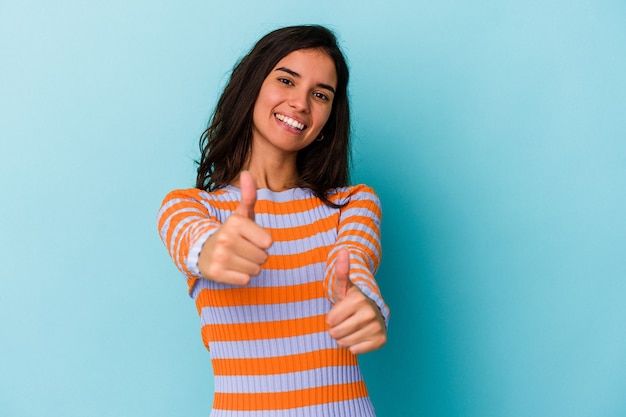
(359, 232)
(184, 224)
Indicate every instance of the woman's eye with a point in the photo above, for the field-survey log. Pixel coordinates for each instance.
(321, 96)
(285, 81)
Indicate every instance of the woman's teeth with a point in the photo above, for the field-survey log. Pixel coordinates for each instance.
(290, 122)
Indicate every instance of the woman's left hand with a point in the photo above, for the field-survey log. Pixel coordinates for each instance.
(355, 321)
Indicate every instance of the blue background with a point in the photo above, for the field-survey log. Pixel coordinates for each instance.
(494, 132)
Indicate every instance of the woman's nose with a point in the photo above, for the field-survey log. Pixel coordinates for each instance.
(299, 100)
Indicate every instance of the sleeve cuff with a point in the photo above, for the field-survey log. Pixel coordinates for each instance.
(194, 253)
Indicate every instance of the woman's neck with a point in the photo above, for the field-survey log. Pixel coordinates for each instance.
(274, 172)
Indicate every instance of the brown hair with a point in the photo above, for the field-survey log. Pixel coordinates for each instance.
(226, 143)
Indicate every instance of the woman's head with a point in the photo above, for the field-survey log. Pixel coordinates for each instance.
(293, 105)
(227, 141)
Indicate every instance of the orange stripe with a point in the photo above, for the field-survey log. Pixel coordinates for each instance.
(164, 215)
(289, 399)
(291, 233)
(184, 243)
(363, 266)
(264, 330)
(225, 205)
(363, 234)
(361, 220)
(191, 281)
(358, 262)
(298, 260)
(363, 251)
(258, 295)
(286, 207)
(367, 284)
(300, 232)
(177, 218)
(191, 199)
(283, 364)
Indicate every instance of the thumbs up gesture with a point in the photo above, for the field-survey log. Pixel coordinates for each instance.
(237, 250)
(247, 185)
(355, 321)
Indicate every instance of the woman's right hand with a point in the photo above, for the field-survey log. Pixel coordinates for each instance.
(235, 253)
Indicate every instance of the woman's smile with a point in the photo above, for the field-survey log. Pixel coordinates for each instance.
(290, 122)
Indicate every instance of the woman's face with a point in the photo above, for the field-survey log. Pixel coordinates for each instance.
(294, 102)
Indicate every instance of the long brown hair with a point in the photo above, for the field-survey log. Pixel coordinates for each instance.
(226, 143)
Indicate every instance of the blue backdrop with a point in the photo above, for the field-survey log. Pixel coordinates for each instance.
(494, 132)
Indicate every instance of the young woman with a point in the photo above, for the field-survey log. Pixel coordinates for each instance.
(278, 251)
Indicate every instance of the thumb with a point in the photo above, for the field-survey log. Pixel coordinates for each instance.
(342, 275)
(247, 185)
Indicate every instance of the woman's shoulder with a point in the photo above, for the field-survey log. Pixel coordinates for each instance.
(353, 190)
(342, 195)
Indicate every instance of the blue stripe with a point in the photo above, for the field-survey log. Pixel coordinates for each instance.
(224, 197)
(332, 375)
(359, 211)
(269, 278)
(276, 196)
(355, 253)
(354, 238)
(290, 220)
(294, 247)
(364, 194)
(271, 348)
(264, 312)
(360, 407)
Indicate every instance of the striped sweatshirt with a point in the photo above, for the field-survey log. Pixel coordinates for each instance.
(270, 349)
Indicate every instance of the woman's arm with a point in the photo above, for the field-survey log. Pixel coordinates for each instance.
(184, 225)
(359, 317)
(202, 247)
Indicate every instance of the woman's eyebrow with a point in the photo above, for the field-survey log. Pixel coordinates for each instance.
(295, 74)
